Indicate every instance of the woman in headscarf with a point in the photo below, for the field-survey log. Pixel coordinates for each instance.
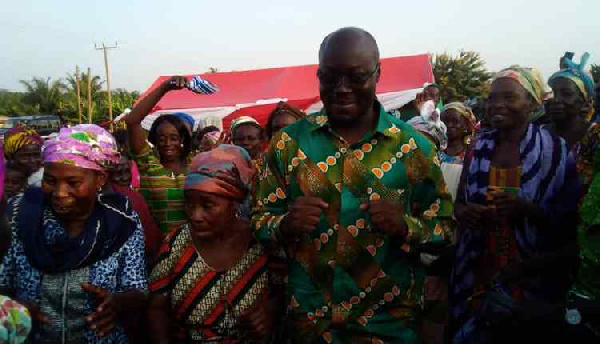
(207, 138)
(247, 133)
(22, 148)
(282, 116)
(570, 111)
(211, 280)
(434, 319)
(516, 203)
(163, 169)
(76, 259)
(434, 130)
(460, 123)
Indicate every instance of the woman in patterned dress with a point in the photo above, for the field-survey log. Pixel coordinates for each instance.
(162, 170)
(76, 259)
(460, 123)
(23, 149)
(570, 111)
(516, 204)
(210, 282)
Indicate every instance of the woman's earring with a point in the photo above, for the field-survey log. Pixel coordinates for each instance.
(467, 140)
(586, 111)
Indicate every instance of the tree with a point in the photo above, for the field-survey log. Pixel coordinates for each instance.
(46, 95)
(462, 77)
(595, 70)
(98, 95)
(121, 100)
(96, 82)
(43, 96)
(12, 105)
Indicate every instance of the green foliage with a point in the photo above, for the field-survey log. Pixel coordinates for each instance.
(595, 70)
(47, 95)
(462, 77)
(13, 105)
(59, 97)
(121, 100)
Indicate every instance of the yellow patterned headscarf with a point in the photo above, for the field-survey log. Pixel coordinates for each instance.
(462, 110)
(530, 78)
(19, 137)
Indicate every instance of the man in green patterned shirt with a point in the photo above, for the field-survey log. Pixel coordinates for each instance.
(352, 194)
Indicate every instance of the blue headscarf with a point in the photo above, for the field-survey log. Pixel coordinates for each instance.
(187, 119)
(576, 73)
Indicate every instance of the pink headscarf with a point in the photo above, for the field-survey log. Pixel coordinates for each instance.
(84, 145)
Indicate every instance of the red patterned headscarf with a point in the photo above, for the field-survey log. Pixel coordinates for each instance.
(226, 171)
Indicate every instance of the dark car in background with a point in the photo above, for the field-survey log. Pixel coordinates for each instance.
(44, 124)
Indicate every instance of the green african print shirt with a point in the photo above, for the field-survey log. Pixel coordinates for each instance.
(162, 189)
(347, 281)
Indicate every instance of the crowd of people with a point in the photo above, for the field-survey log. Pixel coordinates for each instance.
(432, 224)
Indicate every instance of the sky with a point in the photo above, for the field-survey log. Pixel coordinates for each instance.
(49, 38)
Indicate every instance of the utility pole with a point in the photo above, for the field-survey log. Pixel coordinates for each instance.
(89, 94)
(78, 87)
(104, 48)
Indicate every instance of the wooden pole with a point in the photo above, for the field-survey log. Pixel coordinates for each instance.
(89, 94)
(104, 48)
(78, 87)
(110, 115)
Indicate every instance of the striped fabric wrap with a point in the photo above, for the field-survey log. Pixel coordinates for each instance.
(199, 85)
(545, 168)
(543, 156)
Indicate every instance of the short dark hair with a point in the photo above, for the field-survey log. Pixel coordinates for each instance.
(181, 127)
(121, 137)
(282, 108)
(11, 165)
(362, 32)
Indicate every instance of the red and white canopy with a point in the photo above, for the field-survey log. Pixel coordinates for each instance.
(255, 93)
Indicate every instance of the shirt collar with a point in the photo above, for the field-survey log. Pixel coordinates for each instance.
(383, 125)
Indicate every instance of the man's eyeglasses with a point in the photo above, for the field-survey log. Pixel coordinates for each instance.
(332, 79)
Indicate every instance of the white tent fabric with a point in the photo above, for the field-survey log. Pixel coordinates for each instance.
(214, 116)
